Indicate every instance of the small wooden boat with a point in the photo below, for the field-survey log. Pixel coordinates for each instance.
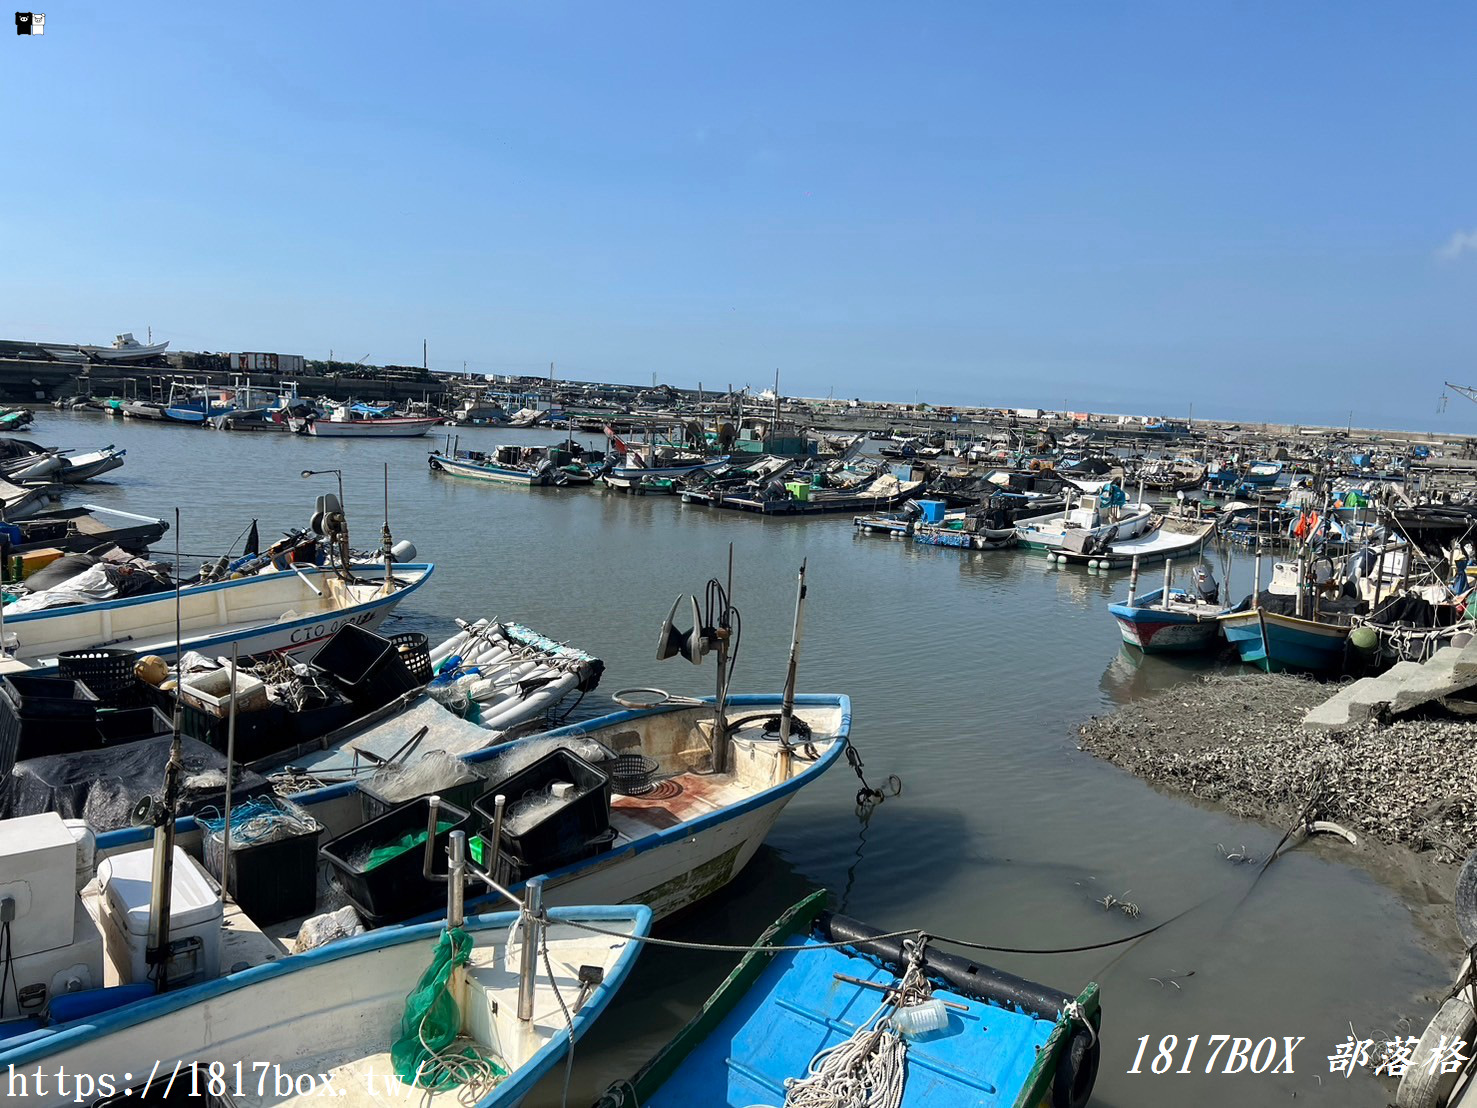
(1187, 622)
(1275, 642)
(967, 1034)
(345, 1014)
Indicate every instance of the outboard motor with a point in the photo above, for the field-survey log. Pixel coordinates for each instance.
(1206, 587)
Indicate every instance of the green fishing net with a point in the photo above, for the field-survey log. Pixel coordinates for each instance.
(432, 1022)
(408, 841)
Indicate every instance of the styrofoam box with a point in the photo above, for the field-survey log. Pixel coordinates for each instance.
(195, 911)
(67, 969)
(86, 851)
(211, 692)
(38, 868)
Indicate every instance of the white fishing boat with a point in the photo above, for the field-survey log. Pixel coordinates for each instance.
(332, 1021)
(1087, 522)
(281, 610)
(125, 348)
(349, 422)
(1165, 538)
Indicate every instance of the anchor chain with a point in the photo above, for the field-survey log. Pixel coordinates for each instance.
(867, 797)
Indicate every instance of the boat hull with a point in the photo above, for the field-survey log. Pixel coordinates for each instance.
(499, 475)
(146, 623)
(393, 428)
(1274, 642)
(1156, 632)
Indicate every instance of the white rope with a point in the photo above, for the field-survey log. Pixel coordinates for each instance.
(868, 1069)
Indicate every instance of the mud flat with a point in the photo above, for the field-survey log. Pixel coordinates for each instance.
(1408, 789)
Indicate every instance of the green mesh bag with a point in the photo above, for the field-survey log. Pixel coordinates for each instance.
(432, 1020)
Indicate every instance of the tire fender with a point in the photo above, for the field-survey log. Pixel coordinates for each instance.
(1420, 1089)
(1076, 1071)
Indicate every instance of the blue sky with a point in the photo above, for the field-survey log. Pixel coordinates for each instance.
(1260, 209)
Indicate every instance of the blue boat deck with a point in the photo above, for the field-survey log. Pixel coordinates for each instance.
(797, 1008)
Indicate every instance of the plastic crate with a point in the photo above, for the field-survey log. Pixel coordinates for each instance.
(45, 715)
(366, 666)
(567, 827)
(257, 733)
(395, 890)
(415, 652)
(106, 670)
(272, 881)
(512, 869)
(463, 795)
(124, 725)
(49, 697)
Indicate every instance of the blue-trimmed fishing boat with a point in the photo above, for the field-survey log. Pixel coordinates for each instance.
(1262, 473)
(1274, 642)
(1186, 623)
(341, 1023)
(997, 1040)
(505, 465)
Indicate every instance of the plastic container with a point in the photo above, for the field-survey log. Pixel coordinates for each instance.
(921, 1019)
(366, 666)
(799, 490)
(463, 795)
(415, 652)
(194, 917)
(511, 869)
(45, 715)
(106, 670)
(933, 510)
(127, 724)
(568, 826)
(272, 881)
(632, 774)
(394, 890)
(211, 692)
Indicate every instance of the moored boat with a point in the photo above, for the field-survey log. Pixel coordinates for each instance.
(352, 422)
(1170, 619)
(822, 994)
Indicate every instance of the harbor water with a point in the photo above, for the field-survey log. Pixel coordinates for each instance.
(968, 673)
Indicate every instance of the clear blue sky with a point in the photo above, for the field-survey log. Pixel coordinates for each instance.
(1258, 208)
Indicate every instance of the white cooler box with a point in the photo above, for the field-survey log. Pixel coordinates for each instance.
(194, 917)
(38, 874)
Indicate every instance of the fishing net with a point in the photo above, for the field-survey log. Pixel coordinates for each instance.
(408, 841)
(425, 1054)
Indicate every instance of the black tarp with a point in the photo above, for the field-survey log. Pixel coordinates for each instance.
(103, 786)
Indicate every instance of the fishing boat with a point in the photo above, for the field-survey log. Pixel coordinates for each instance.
(19, 502)
(195, 405)
(277, 610)
(350, 421)
(528, 466)
(76, 469)
(356, 1020)
(1166, 537)
(151, 410)
(1275, 642)
(125, 348)
(1261, 474)
(73, 530)
(837, 994)
(1172, 620)
(1096, 517)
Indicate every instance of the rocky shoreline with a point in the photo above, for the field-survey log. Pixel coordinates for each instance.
(1407, 788)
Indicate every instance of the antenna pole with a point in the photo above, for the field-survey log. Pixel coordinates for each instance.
(787, 709)
(385, 541)
(230, 766)
(162, 885)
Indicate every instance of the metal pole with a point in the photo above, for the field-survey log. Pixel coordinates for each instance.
(1133, 580)
(533, 904)
(456, 886)
(1256, 579)
(499, 802)
(230, 765)
(1168, 576)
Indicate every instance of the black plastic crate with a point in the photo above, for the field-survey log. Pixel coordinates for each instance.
(395, 889)
(463, 795)
(106, 670)
(127, 724)
(50, 697)
(512, 869)
(584, 816)
(272, 881)
(366, 666)
(258, 733)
